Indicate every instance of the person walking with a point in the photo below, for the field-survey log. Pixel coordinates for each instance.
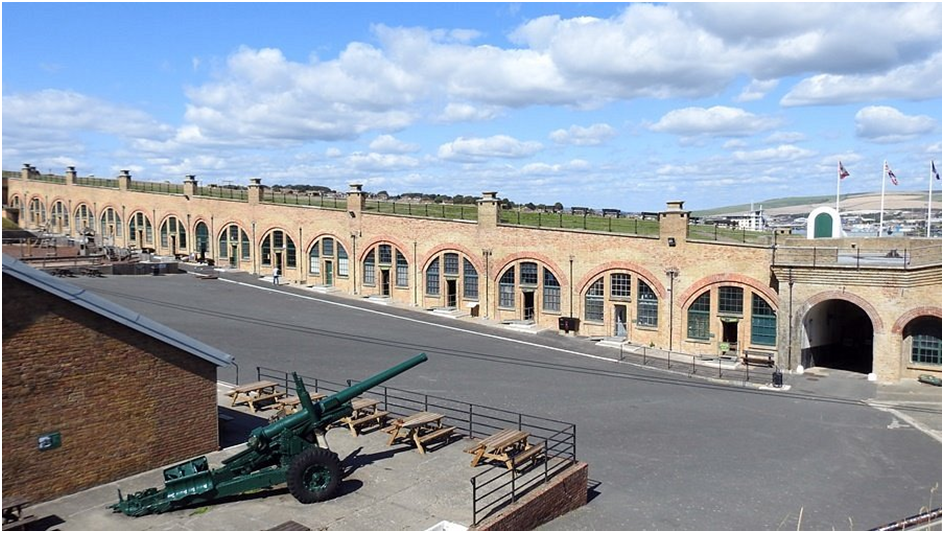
(275, 276)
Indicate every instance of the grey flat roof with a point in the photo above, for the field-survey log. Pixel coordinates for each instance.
(112, 311)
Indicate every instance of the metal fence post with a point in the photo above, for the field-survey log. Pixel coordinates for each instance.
(471, 434)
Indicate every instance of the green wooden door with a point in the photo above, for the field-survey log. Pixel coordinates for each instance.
(823, 226)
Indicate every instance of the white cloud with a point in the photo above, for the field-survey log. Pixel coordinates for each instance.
(781, 153)
(594, 135)
(391, 145)
(374, 162)
(333, 152)
(912, 82)
(715, 121)
(458, 112)
(785, 137)
(501, 146)
(756, 90)
(887, 124)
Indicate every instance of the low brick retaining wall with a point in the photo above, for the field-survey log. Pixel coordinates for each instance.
(564, 493)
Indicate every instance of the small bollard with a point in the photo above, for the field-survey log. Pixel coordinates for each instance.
(778, 378)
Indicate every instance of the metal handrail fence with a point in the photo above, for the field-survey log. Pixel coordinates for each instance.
(12, 174)
(96, 182)
(630, 225)
(312, 200)
(705, 232)
(697, 365)
(494, 488)
(894, 258)
(51, 178)
(223, 193)
(155, 187)
(448, 211)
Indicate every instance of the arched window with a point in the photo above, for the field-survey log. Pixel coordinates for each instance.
(763, 322)
(173, 235)
(552, 293)
(924, 334)
(59, 217)
(203, 238)
(84, 219)
(647, 306)
(432, 278)
(698, 314)
(506, 289)
(37, 212)
(142, 233)
(403, 271)
(454, 280)
(327, 257)
(610, 297)
(278, 242)
(234, 244)
(15, 201)
(593, 302)
(111, 223)
(470, 281)
(370, 268)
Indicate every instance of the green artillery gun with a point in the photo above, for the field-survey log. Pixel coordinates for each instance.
(285, 451)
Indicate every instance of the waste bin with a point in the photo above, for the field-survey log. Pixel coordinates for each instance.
(778, 378)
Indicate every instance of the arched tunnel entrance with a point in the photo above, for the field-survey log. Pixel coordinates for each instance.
(837, 334)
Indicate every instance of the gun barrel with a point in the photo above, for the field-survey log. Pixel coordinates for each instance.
(333, 402)
(356, 390)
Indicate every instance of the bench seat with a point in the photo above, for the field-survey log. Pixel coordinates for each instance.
(752, 357)
(354, 423)
(438, 434)
(533, 453)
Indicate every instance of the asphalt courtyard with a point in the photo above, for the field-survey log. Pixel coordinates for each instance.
(666, 451)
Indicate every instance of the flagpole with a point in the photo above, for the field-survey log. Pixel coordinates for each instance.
(930, 188)
(881, 217)
(838, 181)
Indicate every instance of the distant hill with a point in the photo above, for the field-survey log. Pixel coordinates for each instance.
(847, 202)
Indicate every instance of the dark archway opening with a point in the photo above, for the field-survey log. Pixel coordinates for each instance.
(838, 334)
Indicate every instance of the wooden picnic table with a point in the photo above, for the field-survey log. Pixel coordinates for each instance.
(420, 428)
(255, 393)
(13, 512)
(290, 405)
(364, 413)
(509, 446)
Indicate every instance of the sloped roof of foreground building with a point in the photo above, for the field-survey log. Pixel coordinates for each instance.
(112, 311)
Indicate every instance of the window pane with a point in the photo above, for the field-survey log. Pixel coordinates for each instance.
(551, 299)
(926, 349)
(328, 246)
(403, 271)
(451, 264)
(432, 278)
(731, 300)
(763, 322)
(529, 273)
(369, 269)
(593, 303)
(343, 262)
(698, 314)
(506, 289)
(470, 281)
(620, 286)
(647, 306)
(386, 255)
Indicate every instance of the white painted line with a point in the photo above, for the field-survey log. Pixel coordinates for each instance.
(408, 319)
(936, 435)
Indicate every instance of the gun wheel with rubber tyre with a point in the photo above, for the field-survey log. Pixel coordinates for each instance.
(314, 475)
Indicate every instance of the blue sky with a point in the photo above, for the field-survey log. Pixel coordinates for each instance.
(603, 105)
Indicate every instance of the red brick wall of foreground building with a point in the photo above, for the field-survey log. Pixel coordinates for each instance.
(123, 402)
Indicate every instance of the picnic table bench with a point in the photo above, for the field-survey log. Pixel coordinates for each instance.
(92, 272)
(256, 393)
(756, 357)
(13, 516)
(509, 446)
(63, 273)
(420, 428)
(365, 413)
(290, 404)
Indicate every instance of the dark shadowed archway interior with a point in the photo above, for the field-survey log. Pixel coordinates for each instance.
(838, 334)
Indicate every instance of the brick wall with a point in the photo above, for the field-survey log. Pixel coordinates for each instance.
(564, 493)
(122, 401)
(575, 256)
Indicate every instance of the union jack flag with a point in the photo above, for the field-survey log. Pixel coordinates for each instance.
(843, 173)
(891, 175)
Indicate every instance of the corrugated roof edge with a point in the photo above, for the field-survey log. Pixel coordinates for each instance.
(113, 311)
